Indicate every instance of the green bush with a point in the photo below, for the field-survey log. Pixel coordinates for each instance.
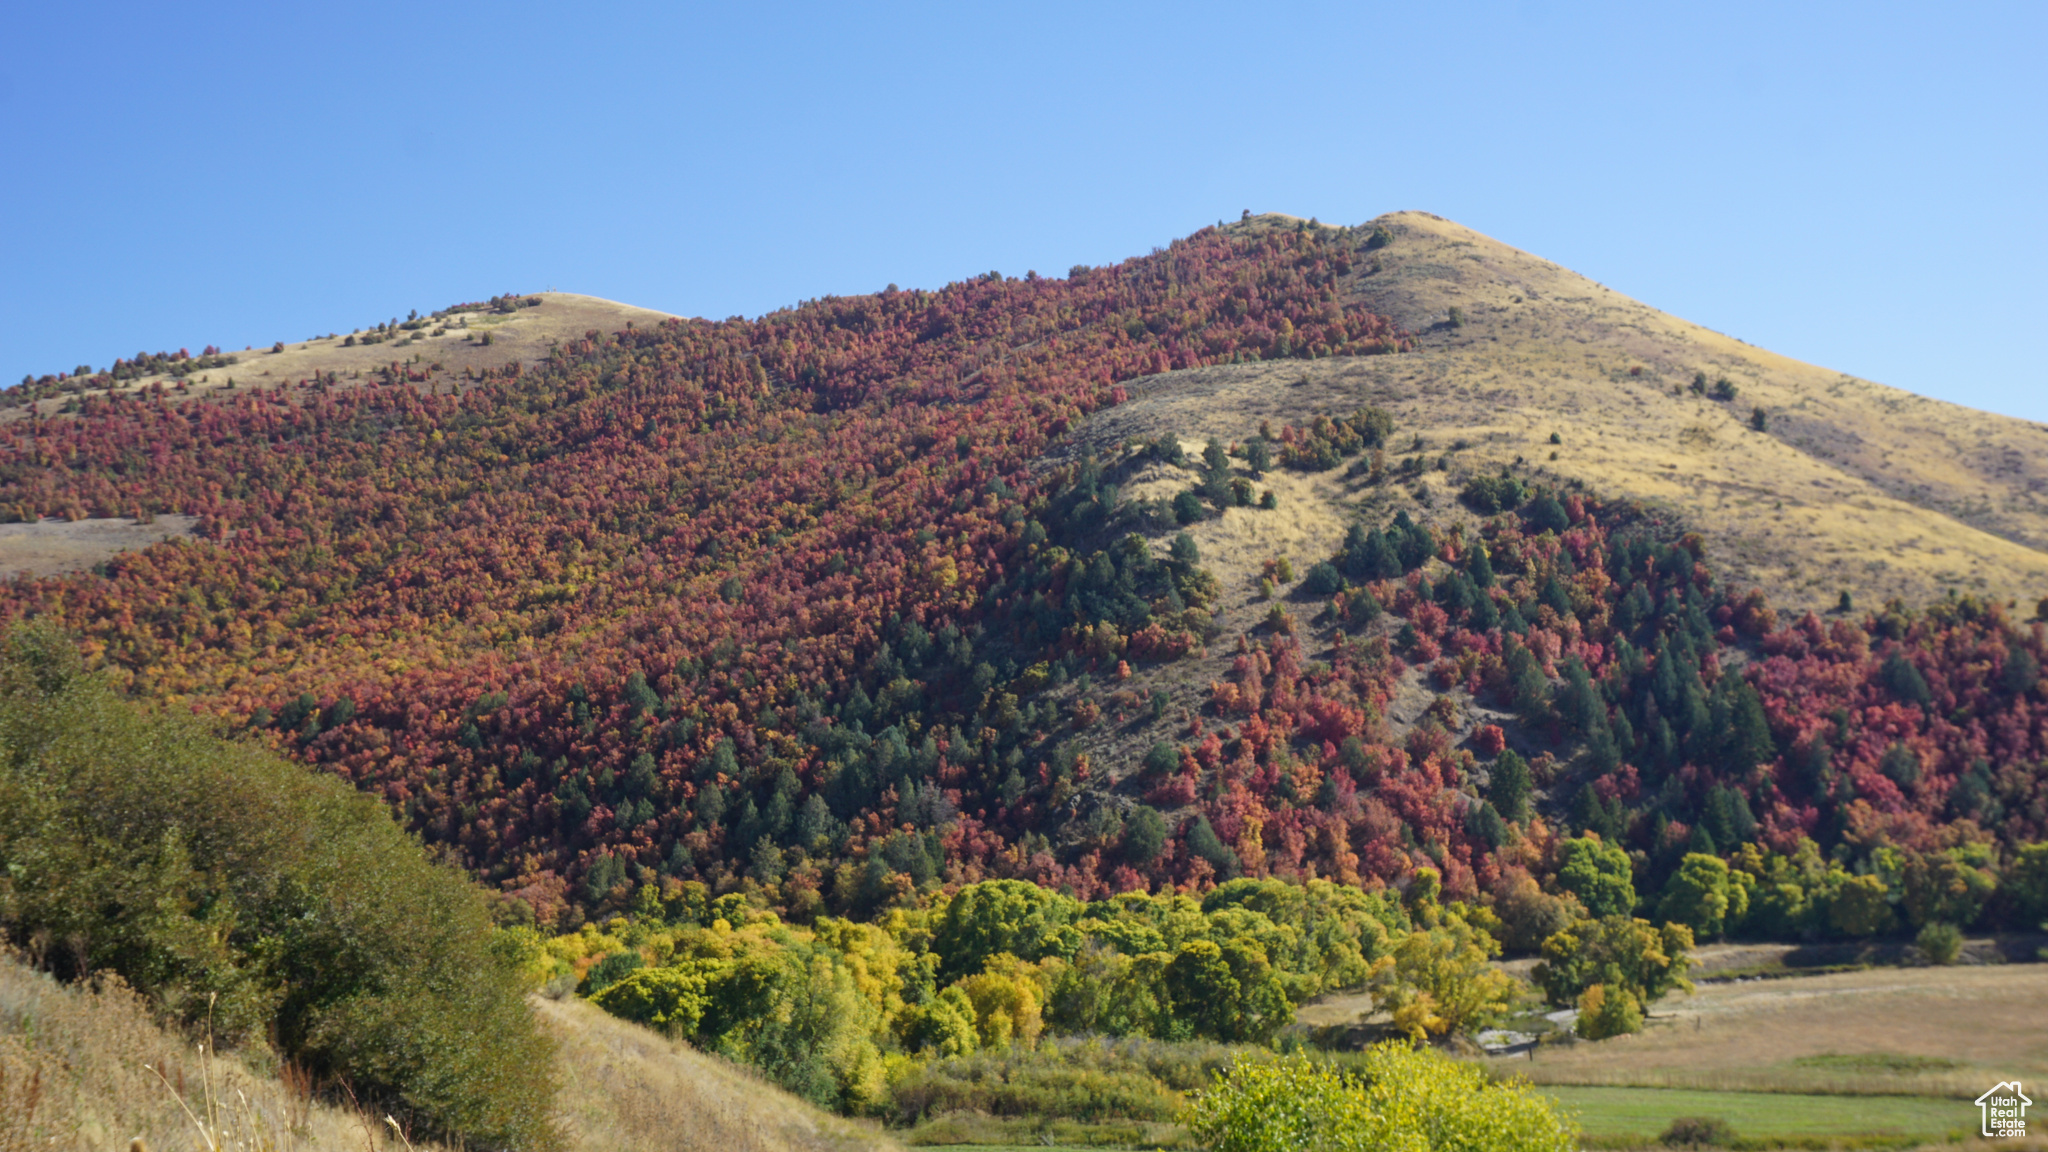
(1489, 494)
(1606, 1012)
(610, 971)
(1405, 1099)
(221, 880)
(1074, 1080)
(1698, 1132)
(1940, 943)
(1323, 579)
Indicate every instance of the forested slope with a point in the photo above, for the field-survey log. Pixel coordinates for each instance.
(801, 606)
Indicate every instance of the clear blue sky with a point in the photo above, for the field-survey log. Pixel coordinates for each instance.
(1860, 185)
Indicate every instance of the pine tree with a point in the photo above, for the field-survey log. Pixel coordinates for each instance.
(1510, 784)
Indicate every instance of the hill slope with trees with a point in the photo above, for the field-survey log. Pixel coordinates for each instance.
(876, 595)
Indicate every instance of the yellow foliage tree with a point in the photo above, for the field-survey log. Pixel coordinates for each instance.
(1437, 980)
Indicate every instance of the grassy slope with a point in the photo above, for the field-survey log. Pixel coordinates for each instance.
(1856, 486)
(53, 547)
(523, 336)
(626, 1088)
(74, 1075)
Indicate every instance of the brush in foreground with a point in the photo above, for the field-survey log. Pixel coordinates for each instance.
(1405, 1100)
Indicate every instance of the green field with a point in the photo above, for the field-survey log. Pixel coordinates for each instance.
(1608, 1115)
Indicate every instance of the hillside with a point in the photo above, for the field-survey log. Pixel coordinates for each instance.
(76, 1073)
(627, 1088)
(929, 587)
(440, 349)
(1855, 486)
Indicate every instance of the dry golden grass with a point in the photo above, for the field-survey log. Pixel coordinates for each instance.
(1856, 486)
(1882, 1031)
(524, 336)
(627, 1089)
(54, 547)
(88, 1069)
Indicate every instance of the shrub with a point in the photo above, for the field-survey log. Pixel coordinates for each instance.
(1608, 1012)
(1698, 1132)
(1545, 514)
(217, 878)
(1489, 494)
(1161, 759)
(1144, 835)
(610, 971)
(1413, 1100)
(1940, 943)
(1322, 579)
(1187, 507)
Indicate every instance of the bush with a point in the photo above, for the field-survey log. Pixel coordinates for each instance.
(610, 971)
(1489, 494)
(1144, 835)
(1187, 507)
(1545, 514)
(1406, 1098)
(1323, 580)
(1608, 1012)
(219, 879)
(1940, 943)
(1698, 1132)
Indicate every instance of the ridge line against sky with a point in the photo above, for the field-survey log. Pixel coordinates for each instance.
(1857, 186)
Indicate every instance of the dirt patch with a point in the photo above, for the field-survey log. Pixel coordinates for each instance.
(56, 547)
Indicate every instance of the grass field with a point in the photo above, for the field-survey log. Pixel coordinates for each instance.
(1631, 1116)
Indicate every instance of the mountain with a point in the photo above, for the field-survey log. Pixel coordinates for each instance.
(1853, 487)
(1249, 555)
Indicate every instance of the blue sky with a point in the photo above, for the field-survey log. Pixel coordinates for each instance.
(1858, 185)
